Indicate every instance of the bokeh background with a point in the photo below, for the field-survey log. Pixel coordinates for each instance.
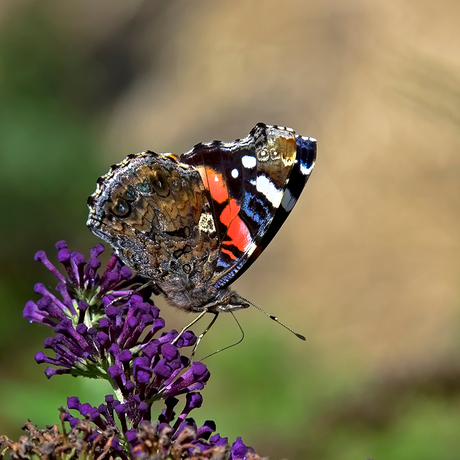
(368, 264)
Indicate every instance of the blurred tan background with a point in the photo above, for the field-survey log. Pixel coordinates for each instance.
(368, 264)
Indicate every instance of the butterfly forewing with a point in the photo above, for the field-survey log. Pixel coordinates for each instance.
(305, 161)
(246, 183)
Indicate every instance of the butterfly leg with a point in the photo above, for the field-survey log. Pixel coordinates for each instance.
(198, 340)
(188, 326)
(135, 291)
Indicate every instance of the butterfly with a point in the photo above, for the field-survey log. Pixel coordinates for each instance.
(192, 225)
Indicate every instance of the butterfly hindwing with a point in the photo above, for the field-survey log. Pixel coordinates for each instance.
(153, 210)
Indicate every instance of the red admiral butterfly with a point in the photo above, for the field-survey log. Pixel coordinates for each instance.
(192, 225)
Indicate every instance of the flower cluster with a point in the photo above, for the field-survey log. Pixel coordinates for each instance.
(87, 441)
(106, 328)
(182, 435)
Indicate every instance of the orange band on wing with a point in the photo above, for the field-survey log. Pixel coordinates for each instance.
(229, 253)
(215, 184)
(238, 233)
(229, 213)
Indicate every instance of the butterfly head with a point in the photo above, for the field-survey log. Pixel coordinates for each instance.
(226, 300)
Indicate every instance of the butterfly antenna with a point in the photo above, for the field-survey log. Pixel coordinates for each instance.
(274, 318)
(228, 346)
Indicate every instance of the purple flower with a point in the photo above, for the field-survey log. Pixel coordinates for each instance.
(182, 438)
(105, 328)
(102, 331)
(239, 451)
(101, 327)
(83, 282)
(84, 441)
(80, 294)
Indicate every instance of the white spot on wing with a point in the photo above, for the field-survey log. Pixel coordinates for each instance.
(304, 170)
(235, 173)
(206, 223)
(265, 186)
(249, 161)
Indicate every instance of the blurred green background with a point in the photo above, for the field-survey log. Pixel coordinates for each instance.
(368, 264)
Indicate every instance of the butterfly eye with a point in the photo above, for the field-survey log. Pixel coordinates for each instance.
(121, 207)
(159, 183)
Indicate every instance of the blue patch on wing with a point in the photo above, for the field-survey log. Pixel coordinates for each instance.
(306, 153)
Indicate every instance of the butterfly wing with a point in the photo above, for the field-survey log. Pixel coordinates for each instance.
(305, 161)
(252, 185)
(155, 213)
